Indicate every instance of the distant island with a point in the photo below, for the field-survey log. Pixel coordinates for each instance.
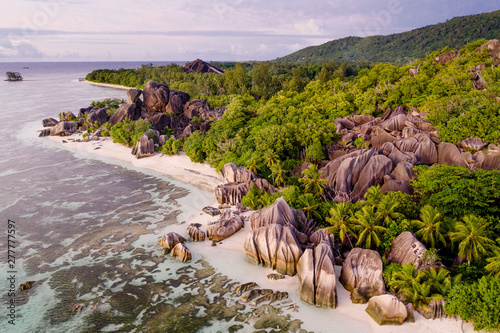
(13, 76)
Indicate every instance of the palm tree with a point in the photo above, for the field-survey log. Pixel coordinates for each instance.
(310, 206)
(420, 295)
(253, 165)
(340, 222)
(494, 265)
(430, 226)
(471, 236)
(312, 182)
(387, 210)
(279, 173)
(270, 158)
(367, 225)
(373, 196)
(403, 278)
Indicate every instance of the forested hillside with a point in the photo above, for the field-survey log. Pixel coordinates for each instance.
(399, 48)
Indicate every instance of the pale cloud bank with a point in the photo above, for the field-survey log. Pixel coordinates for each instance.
(92, 30)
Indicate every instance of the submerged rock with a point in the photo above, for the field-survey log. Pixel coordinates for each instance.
(243, 288)
(387, 310)
(273, 297)
(254, 293)
(362, 275)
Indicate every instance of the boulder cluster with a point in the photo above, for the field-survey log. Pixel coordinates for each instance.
(238, 181)
(399, 139)
(156, 103)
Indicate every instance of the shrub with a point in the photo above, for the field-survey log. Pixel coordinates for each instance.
(128, 132)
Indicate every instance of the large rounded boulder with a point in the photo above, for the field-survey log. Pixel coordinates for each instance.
(387, 310)
(362, 275)
(156, 96)
(274, 246)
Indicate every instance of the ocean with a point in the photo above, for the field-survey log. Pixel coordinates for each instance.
(85, 228)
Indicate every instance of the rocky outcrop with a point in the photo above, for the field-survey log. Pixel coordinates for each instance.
(387, 310)
(175, 105)
(446, 57)
(472, 143)
(449, 154)
(212, 211)
(145, 147)
(235, 174)
(125, 111)
(493, 47)
(405, 249)
(96, 114)
(156, 96)
(168, 241)
(362, 275)
(372, 174)
(272, 297)
(200, 66)
(49, 122)
(240, 180)
(228, 224)
(133, 95)
(195, 232)
(64, 128)
(231, 193)
(274, 246)
(243, 288)
(278, 213)
(180, 252)
(316, 274)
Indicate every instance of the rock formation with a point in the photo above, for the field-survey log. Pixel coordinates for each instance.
(156, 96)
(180, 252)
(228, 224)
(145, 147)
(239, 180)
(243, 288)
(362, 275)
(64, 128)
(49, 122)
(200, 66)
(195, 232)
(316, 274)
(274, 246)
(168, 241)
(387, 310)
(405, 249)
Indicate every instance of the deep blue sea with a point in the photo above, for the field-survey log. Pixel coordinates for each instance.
(86, 231)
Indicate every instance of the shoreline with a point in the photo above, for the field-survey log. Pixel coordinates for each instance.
(230, 253)
(107, 85)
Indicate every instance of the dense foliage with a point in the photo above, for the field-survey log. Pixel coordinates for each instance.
(478, 302)
(407, 45)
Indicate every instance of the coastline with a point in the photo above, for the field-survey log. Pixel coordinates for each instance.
(107, 85)
(229, 254)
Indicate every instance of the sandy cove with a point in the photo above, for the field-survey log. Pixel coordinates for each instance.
(108, 85)
(228, 257)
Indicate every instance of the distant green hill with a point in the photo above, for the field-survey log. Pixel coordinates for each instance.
(398, 48)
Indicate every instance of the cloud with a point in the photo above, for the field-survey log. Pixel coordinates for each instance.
(18, 49)
(309, 28)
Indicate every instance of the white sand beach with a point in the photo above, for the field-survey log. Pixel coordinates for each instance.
(114, 86)
(228, 257)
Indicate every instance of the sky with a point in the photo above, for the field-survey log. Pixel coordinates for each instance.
(218, 30)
